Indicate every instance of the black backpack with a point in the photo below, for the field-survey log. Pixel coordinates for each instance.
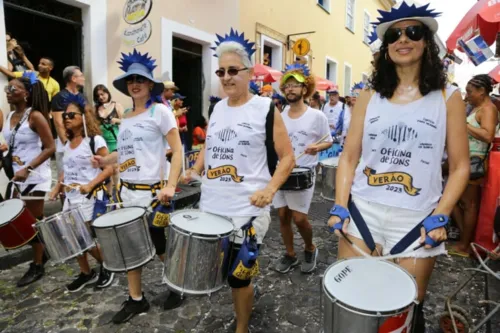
(272, 157)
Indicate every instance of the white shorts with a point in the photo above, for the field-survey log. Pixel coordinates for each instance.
(135, 197)
(388, 225)
(43, 187)
(87, 206)
(299, 201)
(261, 225)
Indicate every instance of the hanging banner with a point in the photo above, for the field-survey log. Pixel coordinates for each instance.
(476, 49)
(136, 11)
(137, 34)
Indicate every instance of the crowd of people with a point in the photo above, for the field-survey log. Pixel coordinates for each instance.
(404, 122)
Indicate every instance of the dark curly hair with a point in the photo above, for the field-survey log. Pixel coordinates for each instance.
(482, 81)
(384, 79)
(91, 122)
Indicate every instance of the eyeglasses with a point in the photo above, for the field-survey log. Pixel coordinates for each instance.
(135, 78)
(70, 115)
(10, 89)
(413, 32)
(292, 86)
(221, 72)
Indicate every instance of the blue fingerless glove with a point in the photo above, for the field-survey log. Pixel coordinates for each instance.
(342, 213)
(431, 223)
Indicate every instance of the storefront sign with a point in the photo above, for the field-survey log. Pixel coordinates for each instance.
(136, 11)
(137, 34)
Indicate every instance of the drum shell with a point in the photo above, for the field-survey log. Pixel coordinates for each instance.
(328, 178)
(65, 235)
(195, 264)
(340, 318)
(19, 231)
(298, 181)
(126, 246)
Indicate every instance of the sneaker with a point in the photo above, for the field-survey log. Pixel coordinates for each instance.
(105, 278)
(129, 309)
(173, 301)
(286, 263)
(309, 263)
(82, 280)
(34, 273)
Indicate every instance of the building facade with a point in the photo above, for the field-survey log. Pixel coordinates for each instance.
(337, 30)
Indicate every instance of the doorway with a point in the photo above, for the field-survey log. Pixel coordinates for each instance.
(187, 68)
(46, 29)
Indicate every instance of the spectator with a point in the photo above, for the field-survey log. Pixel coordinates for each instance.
(199, 133)
(168, 93)
(109, 113)
(333, 109)
(315, 101)
(18, 61)
(266, 90)
(180, 114)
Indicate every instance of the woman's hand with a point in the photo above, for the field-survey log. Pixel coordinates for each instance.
(85, 189)
(166, 194)
(21, 175)
(55, 192)
(96, 161)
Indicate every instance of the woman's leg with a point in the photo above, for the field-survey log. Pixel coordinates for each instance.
(36, 209)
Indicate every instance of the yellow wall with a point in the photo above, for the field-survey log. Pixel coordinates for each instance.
(331, 38)
(199, 14)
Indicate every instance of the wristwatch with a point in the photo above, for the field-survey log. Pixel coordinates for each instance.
(30, 168)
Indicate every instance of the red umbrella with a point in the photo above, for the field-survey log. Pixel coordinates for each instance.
(266, 74)
(484, 17)
(495, 74)
(324, 84)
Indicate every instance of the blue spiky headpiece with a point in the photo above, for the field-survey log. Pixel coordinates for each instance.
(360, 85)
(136, 58)
(234, 36)
(297, 67)
(298, 71)
(373, 37)
(30, 75)
(406, 12)
(214, 99)
(254, 88)
(77, 99)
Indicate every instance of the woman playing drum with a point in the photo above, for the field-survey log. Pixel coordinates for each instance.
(144, 133)
(85, 183)
(237, 181)
(400, 130)
(27, 132)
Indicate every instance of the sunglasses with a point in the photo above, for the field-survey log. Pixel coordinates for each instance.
(413, 32)
(221, 72)
(136, 79)
(292, 86)
(10, 89)
(70, 115)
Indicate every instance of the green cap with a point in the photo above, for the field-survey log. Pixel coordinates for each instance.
(297, 76)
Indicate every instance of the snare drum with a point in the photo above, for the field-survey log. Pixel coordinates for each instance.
(368, 296)
(124, 238)
(16, 224)
(300, 179)
(328, 176)
(197, 246)
(66, 235)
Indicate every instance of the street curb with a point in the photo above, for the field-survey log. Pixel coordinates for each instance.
(13, 258)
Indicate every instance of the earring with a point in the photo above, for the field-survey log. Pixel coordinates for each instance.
(25, 98)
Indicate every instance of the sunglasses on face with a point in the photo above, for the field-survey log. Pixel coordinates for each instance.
(70, 115)
(136, 79)
(413, 32)
(10, 89)
(292, 86)
(231, 71)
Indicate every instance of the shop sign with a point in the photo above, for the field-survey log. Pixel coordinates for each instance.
(137, 34)
(136, 11)
(301, 47)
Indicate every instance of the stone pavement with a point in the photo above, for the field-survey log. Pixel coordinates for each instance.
(285, 303)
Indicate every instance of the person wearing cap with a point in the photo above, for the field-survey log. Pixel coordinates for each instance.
(177, 103)
(305, 126)
(333, 109)
(141, 158)
(239, 181)
(391, 162)
(266, 90)
(168, 92)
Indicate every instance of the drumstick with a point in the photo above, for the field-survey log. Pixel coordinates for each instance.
(55, 180)
(316, 143)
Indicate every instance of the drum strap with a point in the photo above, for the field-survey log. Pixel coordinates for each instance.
(141, 187)
(361, 225)
(11, 186)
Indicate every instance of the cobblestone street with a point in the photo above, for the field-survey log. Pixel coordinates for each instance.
(285, 303)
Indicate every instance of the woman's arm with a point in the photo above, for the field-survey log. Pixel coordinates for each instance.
(458, 160)
(175, 144)
(488, 122)
(106, 172)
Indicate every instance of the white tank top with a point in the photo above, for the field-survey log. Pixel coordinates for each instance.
(235, 158)
(27, 146)
(402, 150)
(141, 145)
(77, 167)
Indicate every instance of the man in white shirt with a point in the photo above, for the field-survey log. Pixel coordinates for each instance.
(333, 109)
(305, 126)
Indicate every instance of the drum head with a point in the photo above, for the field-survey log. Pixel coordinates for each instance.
(119, 216)
(9, 209)
(332, 161)
(201, 223)
(370, 285)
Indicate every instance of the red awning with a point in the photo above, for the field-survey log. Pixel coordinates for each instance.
(483, 17)
(324, 84)
(266, 74)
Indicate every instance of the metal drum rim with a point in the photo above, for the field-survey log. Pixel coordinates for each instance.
(61, 213)
(121, 224)
(190, 292)
(366, 312)
(329, 166)
(204, 236)
(18, 214)
(133, 267)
